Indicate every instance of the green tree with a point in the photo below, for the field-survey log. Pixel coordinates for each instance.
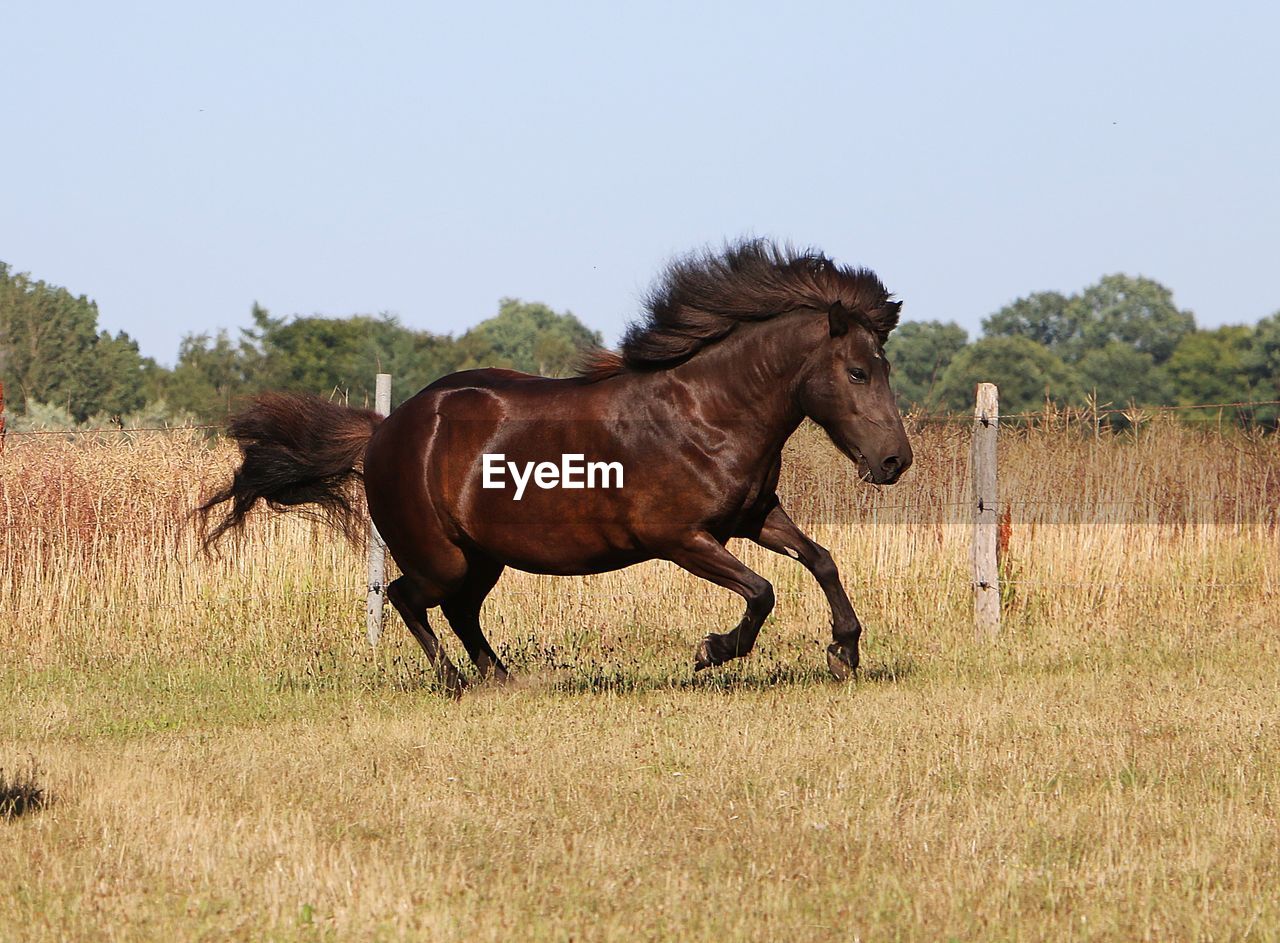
(1116, 334)
(1210, 367)
(342, 355)
(211, 372)
(526, 336)
(1046, 317)
(52, 352)
(1262, 366)
(920, 352)
(45, 334)
(320, 355)
(1136, 311)
(1026, 372)
(414, 358)
(1120, 376)
(115, 386)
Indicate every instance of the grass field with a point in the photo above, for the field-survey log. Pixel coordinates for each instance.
(221, 755)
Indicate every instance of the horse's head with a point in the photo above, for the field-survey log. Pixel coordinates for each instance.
(845, 389)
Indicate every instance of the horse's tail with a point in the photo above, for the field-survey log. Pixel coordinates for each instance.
(296, 450)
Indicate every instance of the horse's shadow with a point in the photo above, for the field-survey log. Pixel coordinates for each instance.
(605, 679)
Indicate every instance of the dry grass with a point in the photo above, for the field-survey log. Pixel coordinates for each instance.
(231, 761)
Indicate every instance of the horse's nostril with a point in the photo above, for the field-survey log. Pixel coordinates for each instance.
(891, 464)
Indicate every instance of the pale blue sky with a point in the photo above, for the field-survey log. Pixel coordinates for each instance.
(177, 162)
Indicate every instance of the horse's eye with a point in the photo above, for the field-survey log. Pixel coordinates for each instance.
(857, 375)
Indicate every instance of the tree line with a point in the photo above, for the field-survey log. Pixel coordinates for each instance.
(1120, 342)
(59, 370)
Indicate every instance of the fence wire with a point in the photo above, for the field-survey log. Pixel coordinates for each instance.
(1069, 414)
(963, 423)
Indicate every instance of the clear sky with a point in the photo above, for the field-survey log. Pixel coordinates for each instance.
(178, 161)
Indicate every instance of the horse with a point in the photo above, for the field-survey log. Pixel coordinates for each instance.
(685, 425)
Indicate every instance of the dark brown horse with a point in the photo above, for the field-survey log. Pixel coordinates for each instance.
(664, 450)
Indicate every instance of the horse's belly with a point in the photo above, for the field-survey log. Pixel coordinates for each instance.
(562, 544)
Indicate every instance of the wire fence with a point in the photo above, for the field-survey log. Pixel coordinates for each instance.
(1068, 414)
(956, 579)
(112, 430)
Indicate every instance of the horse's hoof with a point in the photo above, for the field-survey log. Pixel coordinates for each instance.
(454, 684)
(495, 673)
(702, 656)
(839, 663)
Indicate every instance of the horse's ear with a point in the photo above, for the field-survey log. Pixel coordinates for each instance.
(887, 319)
(838, 319)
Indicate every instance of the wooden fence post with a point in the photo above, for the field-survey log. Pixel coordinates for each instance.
(377, 549)
(986, 576)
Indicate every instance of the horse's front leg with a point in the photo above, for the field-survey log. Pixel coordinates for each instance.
(780, 534)
(704, 556)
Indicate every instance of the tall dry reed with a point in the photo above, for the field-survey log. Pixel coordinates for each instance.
(100, 562)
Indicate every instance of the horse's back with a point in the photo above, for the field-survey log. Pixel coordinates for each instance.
(445, 429)
(501, 378)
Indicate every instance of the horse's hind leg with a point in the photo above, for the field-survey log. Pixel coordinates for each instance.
(412, 604)
(462, 609)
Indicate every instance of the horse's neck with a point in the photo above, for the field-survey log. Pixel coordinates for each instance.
(748, 380)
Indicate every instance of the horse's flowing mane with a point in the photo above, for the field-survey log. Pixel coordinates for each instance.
(703, 297)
